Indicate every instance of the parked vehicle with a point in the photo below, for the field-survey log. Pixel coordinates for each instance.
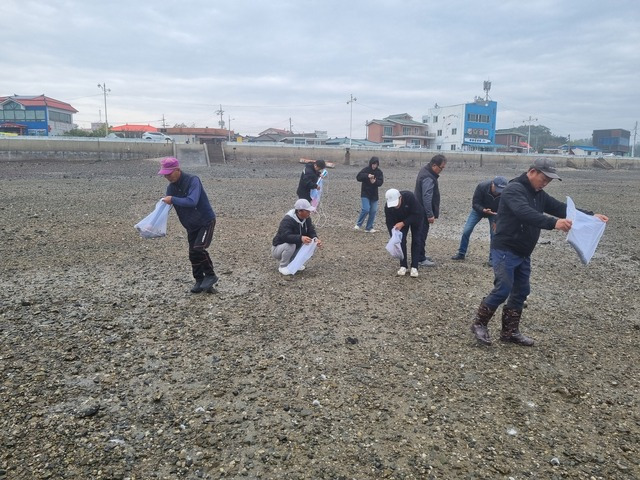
(156, 137)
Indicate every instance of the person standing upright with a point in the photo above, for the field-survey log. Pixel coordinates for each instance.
(484, 204)
(427, 193)
(371, 178)
(309, 178)
(524, 210)
(186, 194)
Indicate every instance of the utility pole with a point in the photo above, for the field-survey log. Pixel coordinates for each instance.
(633, 145)
(164, 123)
(220, 112)
(350, 103)
(290, 126)
(229, 125)
(529, 120)
(105, 90)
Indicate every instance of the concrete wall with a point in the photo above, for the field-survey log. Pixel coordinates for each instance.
(24, 149)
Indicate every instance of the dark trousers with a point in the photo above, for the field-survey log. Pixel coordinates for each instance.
(415, 245)
(424, 231)
(199, 241)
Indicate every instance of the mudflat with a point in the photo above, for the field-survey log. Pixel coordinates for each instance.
(111, 369)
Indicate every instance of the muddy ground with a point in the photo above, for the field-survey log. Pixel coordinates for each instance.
(111, 369)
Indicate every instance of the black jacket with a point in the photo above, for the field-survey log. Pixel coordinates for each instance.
(370, 190)
(521, 216)
(308, 181)
(483, 198)
(410, 211)
(292, 229)
(427, 192)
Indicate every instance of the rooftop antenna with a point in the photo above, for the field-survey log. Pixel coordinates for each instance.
(486, 87)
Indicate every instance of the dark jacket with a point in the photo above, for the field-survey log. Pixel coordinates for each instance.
(308, 181)
(427, 192)
(191, 202)
(370, 190)
(292, 229)
(410, 211)
(521, 216)
(483, 198)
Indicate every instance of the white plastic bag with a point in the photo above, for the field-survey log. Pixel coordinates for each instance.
(585, 232)
(154, 225)
(394, 245)
(305, 253)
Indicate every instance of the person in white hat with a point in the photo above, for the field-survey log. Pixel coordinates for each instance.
(296, 229)
(403, 212)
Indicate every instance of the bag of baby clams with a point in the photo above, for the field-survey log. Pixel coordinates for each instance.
(154, 225)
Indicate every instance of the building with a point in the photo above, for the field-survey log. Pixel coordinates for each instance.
(39, 115)
(615, 141)
(399, 130)
(275, 135)
(512, 141)
(469, 126)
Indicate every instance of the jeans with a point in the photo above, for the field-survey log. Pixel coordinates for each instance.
(472, 221)
(369, 207)
(511, 280)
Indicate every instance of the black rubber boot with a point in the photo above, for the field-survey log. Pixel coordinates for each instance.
(480, 322)
(510, 328)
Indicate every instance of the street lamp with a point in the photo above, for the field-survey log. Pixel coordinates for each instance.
(529, 120)
(350, 103)
(104, 89)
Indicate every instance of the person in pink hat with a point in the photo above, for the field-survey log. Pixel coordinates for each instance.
(186, 194)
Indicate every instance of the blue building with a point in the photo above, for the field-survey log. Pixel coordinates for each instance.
(39, 115)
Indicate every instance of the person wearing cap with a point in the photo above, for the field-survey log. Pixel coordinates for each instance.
(371, 178)
(427, 193)
(403, 212)
(484, 204)
(309, 178)
(186, 193)
(296, 229)
(524, 210)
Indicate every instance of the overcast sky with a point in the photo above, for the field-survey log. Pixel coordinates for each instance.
(574, 65)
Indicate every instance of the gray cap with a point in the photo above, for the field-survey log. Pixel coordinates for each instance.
(546, 166)
(499, 182)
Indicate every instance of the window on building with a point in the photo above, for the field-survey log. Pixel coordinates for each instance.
(454, 131)
(40, 115)
(406, 130)
(439, 147)
(435, 119)
(388, 131)
(453, 147)
(439, 133)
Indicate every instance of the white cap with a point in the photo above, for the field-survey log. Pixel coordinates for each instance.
(393, 197)
(303, 204)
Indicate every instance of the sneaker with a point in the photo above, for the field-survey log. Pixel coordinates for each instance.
(371, 230)
(414, 272)
(302, 267)
(197, 287)
(209, 281)
(402, 272)
(427, 263)
(357, 227)
(458, 256)
(284, 271)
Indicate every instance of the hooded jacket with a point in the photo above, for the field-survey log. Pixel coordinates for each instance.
(483, 198)
(308, 181)
(370, 190)
(521, 216)
(427, 191)
(190, 201)
(292, 229)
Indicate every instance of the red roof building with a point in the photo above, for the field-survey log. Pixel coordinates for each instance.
(35, 115)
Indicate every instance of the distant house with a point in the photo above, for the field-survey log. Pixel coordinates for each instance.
(275, 135)
(133, 131)
(512, 141)
(199, 134)
(579, 150)
(346, 141)
(468, 126)
(615, 141)
(35, 115)
(399, 130)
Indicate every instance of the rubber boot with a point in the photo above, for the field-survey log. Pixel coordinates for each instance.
(510, 328)
(480, 322)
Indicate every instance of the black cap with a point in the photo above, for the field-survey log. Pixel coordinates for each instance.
(546, 166)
